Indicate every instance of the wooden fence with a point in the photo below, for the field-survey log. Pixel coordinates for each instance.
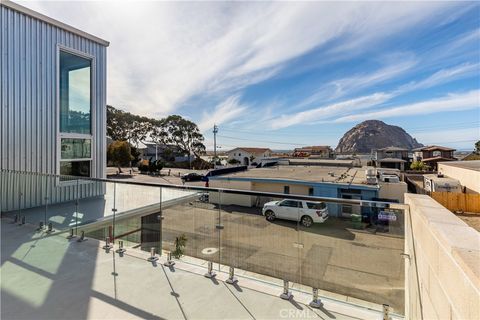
(454, 201)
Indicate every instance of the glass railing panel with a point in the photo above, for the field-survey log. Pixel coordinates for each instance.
(190, 225)
(355, 255)
(137, 210)
(260, 236)
(94, 209)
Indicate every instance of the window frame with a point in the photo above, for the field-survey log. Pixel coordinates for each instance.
(93, 115)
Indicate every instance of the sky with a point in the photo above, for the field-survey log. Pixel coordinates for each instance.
(291, 74)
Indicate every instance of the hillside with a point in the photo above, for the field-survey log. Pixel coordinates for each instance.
(374, 134)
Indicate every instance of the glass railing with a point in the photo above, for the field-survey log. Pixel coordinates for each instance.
(348, 250)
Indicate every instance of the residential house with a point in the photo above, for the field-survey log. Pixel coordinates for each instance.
(248, 156)
(431, 155)
(314, 152)
(391, 157)
(165, 152)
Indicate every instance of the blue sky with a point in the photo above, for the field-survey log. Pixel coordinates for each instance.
(283, 75)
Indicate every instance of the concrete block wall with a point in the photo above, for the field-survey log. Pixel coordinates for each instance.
(443, 274)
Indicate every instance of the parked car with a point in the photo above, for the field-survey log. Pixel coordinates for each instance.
(307, 212)
(192, 176)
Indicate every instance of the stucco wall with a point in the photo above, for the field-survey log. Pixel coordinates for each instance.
(278, 187)
(468, 178)
(229, 199)
(394, 191)
(443, 273)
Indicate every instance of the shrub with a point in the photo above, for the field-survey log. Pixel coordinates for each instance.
(418, 166)
(233, 161)
(180, 243)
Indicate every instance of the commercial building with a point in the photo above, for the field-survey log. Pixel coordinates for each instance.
(334, 182)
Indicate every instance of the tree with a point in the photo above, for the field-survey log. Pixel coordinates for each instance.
(174, 129)
(233, 161)
(119, 152)
(185, 134)
(418, 166)
(477, 146)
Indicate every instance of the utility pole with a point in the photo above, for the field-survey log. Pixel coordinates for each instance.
(215, 131)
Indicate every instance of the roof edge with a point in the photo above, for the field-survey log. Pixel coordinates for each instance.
(34, 14)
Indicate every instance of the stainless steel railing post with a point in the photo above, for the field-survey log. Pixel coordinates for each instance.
(316, 302)
(286, 295)
(169, 263)
(386, 312)
(210, 273)
(231, 276)
(121, 250)
(153, 257)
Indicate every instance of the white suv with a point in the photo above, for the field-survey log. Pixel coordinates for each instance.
(307, 212)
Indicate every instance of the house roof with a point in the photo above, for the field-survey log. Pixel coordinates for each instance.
(392, 149)
(438, 159)
(391, 160)
(434, 148)
(473, 165)
(252, 150)
(313, 148)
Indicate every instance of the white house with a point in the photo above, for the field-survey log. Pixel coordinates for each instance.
(247, 156)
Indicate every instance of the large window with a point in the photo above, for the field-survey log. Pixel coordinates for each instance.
(75, 85)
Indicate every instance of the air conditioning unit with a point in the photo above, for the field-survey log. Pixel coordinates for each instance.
(391, 178)
(372, 180)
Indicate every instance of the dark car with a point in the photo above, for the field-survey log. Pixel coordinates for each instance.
(192, 177)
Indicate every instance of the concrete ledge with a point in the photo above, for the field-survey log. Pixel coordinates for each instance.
(447, 257)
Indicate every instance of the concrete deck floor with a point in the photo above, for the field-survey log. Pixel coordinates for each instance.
(49, 277)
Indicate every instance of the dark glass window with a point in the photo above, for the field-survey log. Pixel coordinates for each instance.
(76, 148)
(75, 168)
(286, 189)
(290, 203)
(316, 205)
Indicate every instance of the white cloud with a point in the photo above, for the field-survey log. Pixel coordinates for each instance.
(451, 102)
(335, 109)
(366, 102)
(162, 53)
(226, 111)
(443, 76)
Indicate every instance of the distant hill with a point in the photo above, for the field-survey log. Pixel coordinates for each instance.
(375, 134)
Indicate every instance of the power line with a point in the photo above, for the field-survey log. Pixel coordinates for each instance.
(460, 125)
(265, 141)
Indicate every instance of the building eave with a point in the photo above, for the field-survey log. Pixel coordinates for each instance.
(56, 23)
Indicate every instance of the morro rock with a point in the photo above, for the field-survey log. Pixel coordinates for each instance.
(375, 134)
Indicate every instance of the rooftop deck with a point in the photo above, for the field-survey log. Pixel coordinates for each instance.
(42, 274)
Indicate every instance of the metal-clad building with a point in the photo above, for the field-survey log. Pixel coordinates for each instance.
(52, 100)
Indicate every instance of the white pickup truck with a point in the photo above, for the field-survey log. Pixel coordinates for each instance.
(307, 212)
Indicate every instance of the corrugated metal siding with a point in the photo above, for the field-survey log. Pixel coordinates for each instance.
(28, 103)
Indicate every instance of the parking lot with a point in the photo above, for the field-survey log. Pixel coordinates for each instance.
(331, 256)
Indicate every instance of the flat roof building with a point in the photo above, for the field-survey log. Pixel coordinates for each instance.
(322, 181)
